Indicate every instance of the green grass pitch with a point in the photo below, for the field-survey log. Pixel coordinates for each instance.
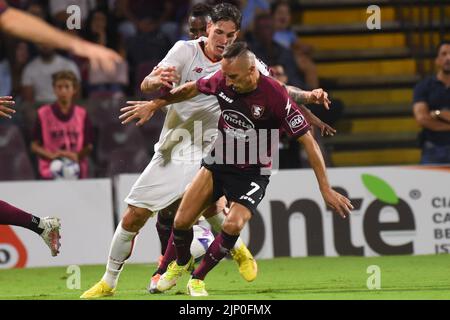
(402, 277)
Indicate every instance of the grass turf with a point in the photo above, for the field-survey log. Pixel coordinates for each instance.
(402, 277)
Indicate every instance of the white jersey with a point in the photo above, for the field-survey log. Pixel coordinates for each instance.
(190, 127)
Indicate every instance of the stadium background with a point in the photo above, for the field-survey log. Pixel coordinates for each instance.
(371, 72)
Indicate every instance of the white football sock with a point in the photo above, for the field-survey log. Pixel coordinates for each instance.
(119, 252)
(216, 222)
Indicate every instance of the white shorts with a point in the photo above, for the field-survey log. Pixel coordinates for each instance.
(162, 183)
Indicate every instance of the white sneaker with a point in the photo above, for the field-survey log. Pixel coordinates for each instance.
(50, 234)
(153, 283)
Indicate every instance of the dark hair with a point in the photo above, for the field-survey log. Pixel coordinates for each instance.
(235, 50)
(442, 43)
(65, 75)
(226, 12)
(201, 10)
(274, 6)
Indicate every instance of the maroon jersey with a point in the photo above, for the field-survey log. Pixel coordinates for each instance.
(250, 121)
(3, 6)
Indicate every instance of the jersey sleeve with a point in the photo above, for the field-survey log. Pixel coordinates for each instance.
(209, 84)
(262, 67)
(289, 115)
(176, 57)
(421, 92)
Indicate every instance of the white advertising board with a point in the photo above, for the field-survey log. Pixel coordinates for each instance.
(86, 213)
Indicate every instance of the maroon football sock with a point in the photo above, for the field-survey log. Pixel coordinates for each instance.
(164, 228)
(169, 256)
(14, 216)
(182, 240)
(220, 247)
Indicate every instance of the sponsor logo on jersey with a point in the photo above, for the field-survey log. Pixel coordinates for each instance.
(224, 97)
(296, 121)
(235, 119)
(257, 111)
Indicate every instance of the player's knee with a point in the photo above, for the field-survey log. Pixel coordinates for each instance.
(233, 227)
(135, 218)
(181, 222)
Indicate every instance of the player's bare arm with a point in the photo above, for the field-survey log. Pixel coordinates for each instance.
(25, 26)
(5, 107)
(325, 129)
(317, 96)
(144, 110)
(425, 119)
(160, 77)
(333, 199)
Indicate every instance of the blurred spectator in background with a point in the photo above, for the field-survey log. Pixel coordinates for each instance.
(161, 13)
(146, 49)
(100, 83)
(5, 72)
(265, 48)
(287, 38)
(37, 76)
(21, 58)
(37, 10)
(432, 110)
(62, 129)
(250, 9)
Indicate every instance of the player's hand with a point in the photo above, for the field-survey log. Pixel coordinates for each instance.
(326, 130)
(100, 57)
(337, 202)
(142, 110)
(5, 104)
(319, 96)
(167, 76)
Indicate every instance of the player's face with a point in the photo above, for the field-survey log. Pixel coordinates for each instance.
(239, 76)
(220, 35)
(443, 58)
(197, 27)
(64, 90)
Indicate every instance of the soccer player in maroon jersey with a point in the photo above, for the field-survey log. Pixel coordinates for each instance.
(251, 104)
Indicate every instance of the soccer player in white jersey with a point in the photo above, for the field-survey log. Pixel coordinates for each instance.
(176, 162)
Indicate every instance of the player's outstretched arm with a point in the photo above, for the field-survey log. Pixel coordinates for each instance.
(144, 110)
(25, 26)
(333, 199)
(5, 104)
(317, 96)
